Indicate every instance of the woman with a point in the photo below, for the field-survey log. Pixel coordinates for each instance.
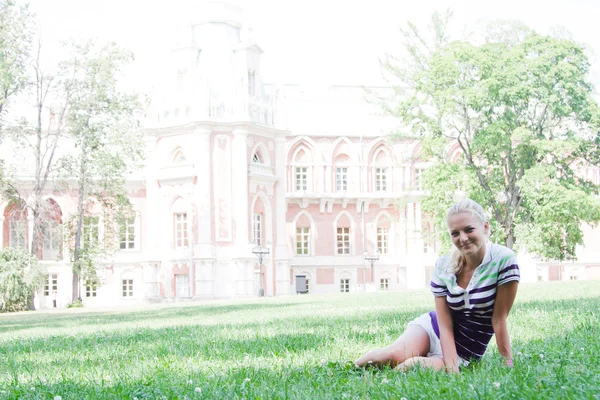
(474, 291)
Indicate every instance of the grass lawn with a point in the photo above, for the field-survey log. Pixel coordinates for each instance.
(298, 347)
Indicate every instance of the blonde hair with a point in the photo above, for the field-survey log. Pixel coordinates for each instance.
(470, 207)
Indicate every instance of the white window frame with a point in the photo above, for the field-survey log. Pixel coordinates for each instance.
(383, 235)
(345, 285)
(380, 179)
(343, 243)
(182, 285)
(418, 178)
(18, 232)
(181, 230)
(51, 285)
(51, 231)
(90, 289)
(384, 284)
(90, 231)
(127, 288)
(127, 234)
(301, 178)
(257, 228)
(303, 241)
(341, 179)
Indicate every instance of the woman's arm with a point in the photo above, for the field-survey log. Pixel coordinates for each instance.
(446, 334)
(505, 296)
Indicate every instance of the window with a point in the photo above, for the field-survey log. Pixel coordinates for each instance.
(178, 158)
(127, 233)
(307, 285)
(418, 179)
(90, 289)
(51, 285)
(382, 240)
(257, 229)
(181, 229)
(344, 285)
(18, 230)
(380, 179)
(341, 179)
(343, 240)
(51, 239)
(90, 231)
(384, 284)
(301, 178)
(251, 83)
(182, 285)
(573, 277)
(303, 241)
(256, 159)
(127, 287)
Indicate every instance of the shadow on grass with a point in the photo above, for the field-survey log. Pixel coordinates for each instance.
(32, 320)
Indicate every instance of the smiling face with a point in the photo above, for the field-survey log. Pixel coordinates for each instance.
(468, 233)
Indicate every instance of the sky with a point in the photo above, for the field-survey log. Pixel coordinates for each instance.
(310, 42)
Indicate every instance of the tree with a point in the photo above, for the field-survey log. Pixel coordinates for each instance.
(102, 121)
(20, 276)
(15, 43)
(40, 139)
(519, 110)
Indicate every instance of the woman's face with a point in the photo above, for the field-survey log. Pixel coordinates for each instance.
(468, 233)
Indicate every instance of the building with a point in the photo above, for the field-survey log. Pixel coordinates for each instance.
(233, 164)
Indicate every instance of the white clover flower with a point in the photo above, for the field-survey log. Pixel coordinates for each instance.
(32, 389)
(190, 381)
(198, 390)
(57, 398)
(519, 353)
(541, 356)
(582, 349)
(404, 398)
(496, 385)
(471, 387)
(385, 380)
(246, 380)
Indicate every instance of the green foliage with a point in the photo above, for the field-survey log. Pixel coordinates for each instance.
(519, 110)
(298, 347)
(15, 44)
(76, 304)
(20, 276)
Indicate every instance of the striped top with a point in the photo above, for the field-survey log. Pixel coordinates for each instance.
(471, 308)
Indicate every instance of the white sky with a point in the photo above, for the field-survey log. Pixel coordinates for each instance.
(320, 42)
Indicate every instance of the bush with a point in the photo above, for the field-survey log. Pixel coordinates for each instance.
(20, 276)
(76, 304)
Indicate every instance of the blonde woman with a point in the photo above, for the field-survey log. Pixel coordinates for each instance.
(474, 290)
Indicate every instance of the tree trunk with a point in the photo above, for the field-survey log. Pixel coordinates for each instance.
(80, 212)
(510, 240)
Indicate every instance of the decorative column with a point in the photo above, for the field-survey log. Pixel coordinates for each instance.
(152, 212)
(203, 165)
(281, 260)
(240, 188)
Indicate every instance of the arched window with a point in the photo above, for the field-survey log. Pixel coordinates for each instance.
(15, 216)
(344, 235)
(342, 166)
(51, 231)
(180, 224)
(383, 235)
(178, 157)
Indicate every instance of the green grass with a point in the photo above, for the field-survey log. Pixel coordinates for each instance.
(298, 347)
